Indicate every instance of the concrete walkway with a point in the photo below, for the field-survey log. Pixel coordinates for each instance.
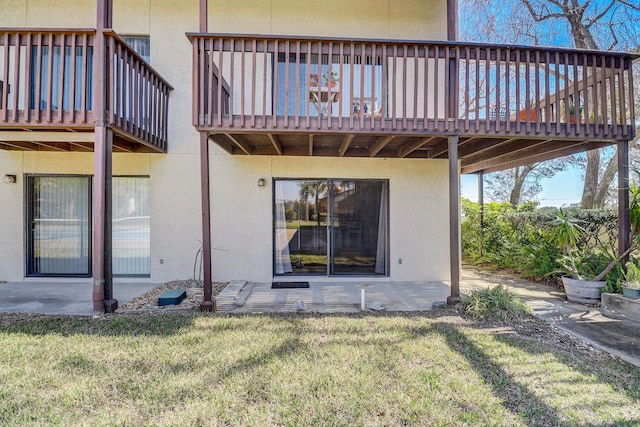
(56, 297)
(610, 331)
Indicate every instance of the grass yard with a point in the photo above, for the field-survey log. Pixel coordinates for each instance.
(433, 369)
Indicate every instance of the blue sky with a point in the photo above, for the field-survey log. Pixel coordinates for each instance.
(562, 189)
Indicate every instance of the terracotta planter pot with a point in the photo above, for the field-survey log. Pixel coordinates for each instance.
(582, 291)
(532, 115)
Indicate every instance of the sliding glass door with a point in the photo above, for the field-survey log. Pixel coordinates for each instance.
(331, 227)
(59, 226)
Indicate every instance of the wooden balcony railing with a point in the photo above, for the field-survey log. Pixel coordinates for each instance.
(138, 98)
(262, 84)
(46, 82)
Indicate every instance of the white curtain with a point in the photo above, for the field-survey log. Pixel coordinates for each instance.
(282, 258)
(381, 252)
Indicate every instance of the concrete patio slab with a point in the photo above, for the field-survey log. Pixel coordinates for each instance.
(56, 297)
(335, 297)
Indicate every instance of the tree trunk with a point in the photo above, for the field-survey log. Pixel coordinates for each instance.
(520, 177)
(606, 180)
(590, 188)
(595, 187)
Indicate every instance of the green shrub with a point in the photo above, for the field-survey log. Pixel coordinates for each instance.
(494, 303)
(522, 241)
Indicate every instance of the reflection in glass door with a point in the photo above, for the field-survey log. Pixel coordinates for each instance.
(301, 227)
(59, 226)
(358, 227)
(331, 227)
(59, 223)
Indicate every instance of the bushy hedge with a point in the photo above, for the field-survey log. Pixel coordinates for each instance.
(520, 239)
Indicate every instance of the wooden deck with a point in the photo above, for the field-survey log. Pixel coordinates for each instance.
(510, 105)
(47, 99)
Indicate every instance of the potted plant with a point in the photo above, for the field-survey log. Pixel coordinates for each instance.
(631, 284)
(579, 286)
(567, 231)
(572, 113)
(314, 79)
(331, 79)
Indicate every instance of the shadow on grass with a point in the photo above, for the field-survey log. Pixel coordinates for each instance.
(120, 325)
(162, 324)
(515, 397)
(622, 377)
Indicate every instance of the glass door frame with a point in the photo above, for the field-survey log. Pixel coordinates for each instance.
(29, 226)
(329, 229)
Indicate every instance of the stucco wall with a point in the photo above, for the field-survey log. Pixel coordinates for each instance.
(242, 224)
(396, 19)
(241, 211)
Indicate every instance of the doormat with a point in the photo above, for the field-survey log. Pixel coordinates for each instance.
(289, 285)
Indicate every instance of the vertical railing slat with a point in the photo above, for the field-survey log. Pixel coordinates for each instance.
(16, 77)
(585, 94)
(5, 92)
(631, 95)
(466, 88)
(603, 94)
(612, 94)
(72, 95)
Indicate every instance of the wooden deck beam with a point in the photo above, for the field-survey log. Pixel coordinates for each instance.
(344, 145)
(413, 146)
(276, 143)
(380, 144)
(243, 145)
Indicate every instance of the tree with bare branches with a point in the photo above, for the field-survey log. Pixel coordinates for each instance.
(585, 24)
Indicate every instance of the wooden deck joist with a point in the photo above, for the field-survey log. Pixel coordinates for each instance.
(475, 153)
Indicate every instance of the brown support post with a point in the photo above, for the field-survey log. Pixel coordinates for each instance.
(103, 300)
(454, 220)
(453, 79)
(452, 20)
(208, 304)
(203, 16)
(454, 173)
(481, 205)
(623, 200)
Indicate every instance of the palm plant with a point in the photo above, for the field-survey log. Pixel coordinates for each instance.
(567, 231)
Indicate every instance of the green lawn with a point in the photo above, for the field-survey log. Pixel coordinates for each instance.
(197, 369)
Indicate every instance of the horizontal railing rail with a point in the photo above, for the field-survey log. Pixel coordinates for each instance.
(262, 83)
(138, 97)
(47, 81)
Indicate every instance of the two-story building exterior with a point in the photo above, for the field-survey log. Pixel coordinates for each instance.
(289, 139)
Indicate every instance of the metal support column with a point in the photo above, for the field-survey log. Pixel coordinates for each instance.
(623, 199)
(481, 206)
(103, 300)
(208, 304)
(454, 220)
(452, 20)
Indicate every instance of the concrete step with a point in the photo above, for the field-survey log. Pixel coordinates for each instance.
(244, 294)
(226, 299)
